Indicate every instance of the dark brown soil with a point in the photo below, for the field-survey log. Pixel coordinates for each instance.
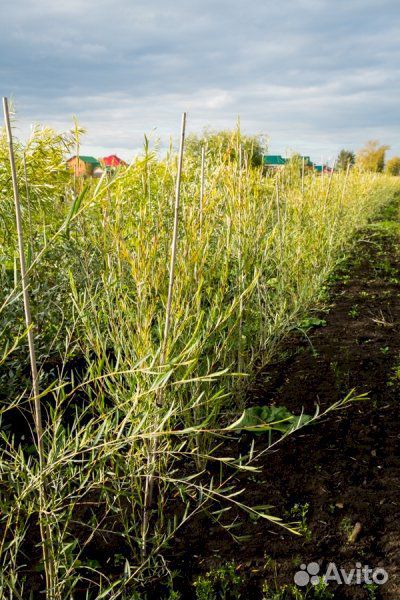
(346, 468)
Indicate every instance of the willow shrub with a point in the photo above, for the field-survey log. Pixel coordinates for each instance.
(248, 270)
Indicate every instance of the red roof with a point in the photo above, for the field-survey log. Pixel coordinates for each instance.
(112, 161)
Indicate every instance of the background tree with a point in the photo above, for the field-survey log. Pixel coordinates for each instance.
(294, 165)
(372, 157)
(223, 145)
(345, 158)
(393, 166)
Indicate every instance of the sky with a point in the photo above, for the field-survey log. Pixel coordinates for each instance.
(313, 75)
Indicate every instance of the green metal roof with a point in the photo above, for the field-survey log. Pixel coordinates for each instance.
(273, 159)
(307, 161)
(90, 159)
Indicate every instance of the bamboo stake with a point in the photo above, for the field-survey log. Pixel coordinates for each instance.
(330, 181)
(240, 341)
(77, 150)
(344, 185)
(44, 529)
(174, 241)
(105, 223)
(28, 200)
(322, 172)
(278, 217)
(203, 160)
(149, 485)
(342, 196)
(15, 270)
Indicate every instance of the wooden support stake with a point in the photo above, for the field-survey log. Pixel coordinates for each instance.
(203, 162)
(28, 200)
(240, 263)
(330, 181)
(174, 242)
(149, 484)
(24, 278)
(278, 217)
(44, 529)
(345, 185)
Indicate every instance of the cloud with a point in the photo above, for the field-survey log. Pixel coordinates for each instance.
(312, 74)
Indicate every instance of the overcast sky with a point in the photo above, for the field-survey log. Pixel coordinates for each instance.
(313, 75)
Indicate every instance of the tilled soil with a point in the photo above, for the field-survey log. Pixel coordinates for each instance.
(346, 468)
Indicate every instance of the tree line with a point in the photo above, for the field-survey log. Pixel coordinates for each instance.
(370, 158)
(224, 146)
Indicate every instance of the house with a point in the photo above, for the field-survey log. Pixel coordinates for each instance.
(322, 169)
(112, 162)
(308, 164)
(82, 166)
(273, 162)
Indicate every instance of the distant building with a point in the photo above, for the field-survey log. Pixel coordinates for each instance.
(88, 166)
(276, 162)
(308, 164)
(83, 166)
(273, 162)
(112, 162)
(322, 169)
